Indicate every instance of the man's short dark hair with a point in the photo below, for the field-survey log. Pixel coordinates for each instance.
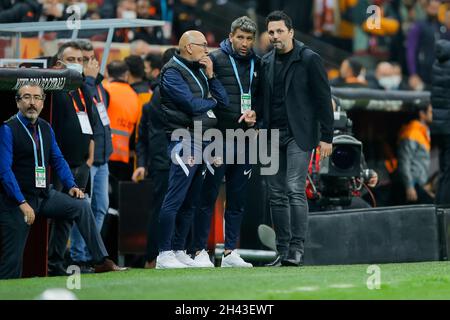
(279, 16)
(117, 69)
(64, 46)
(168, 54)
(155, 60)
(355, 65)
(85, 45)
(135, 66)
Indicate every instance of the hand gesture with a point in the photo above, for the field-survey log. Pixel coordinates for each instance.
(91, 68)
(249, 116)
(206, 61)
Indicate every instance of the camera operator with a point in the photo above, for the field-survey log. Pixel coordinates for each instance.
(338, 192)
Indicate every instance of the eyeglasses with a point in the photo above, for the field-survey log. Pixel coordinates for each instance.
(28, 98)
(203, 45)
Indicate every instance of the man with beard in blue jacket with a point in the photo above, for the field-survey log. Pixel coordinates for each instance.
(236, 66)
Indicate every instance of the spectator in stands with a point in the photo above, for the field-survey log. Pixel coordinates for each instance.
(27, 149)
(414, 158)
(371, 39)
(126, 9)
(136, 79)
(153, 64)
(189, 92)
(72, 121)
(52, 10)
(350, 75)
(388, 76)
(123, 112)
(152, 160)
(440, 99)
(139, 48)
(333, 22)
(185, 17)
(102, 150)
(398, 74)
(19, 11)
(151, 35)
(420, 46)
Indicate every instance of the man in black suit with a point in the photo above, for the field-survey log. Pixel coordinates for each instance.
(296, 100)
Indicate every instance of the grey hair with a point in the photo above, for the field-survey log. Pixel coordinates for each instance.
(245, 24)
(85, 45)
(29, 84)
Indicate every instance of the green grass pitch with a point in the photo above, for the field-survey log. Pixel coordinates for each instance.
(430, 280)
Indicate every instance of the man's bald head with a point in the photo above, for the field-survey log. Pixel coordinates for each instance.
(193, 45)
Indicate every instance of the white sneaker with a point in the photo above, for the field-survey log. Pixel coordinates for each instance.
(202, 260)
(167, 260)
(234, 260)
(184, 258)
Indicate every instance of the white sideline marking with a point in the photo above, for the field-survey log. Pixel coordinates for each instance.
(298, 289)
(341, 286)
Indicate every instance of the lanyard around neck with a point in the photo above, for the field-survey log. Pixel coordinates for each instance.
(75, 104)
(238, 79)
(100, 96)
(193, 75)
(36, 160)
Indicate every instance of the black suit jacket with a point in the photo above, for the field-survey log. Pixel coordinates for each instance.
(307, 95)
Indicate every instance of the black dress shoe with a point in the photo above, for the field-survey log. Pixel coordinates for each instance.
(294, 259)
(57, 271)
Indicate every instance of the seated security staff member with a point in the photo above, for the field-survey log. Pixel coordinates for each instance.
(27, 149)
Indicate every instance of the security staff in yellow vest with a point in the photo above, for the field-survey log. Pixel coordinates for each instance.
(123, 112)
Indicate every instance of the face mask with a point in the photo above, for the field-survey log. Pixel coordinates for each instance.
(128, 14)
(75, 66)
(390, 83)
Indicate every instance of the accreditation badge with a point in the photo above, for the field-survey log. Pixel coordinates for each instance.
(84, 123)
(246, 102)
(39, 173)
(103, 113)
